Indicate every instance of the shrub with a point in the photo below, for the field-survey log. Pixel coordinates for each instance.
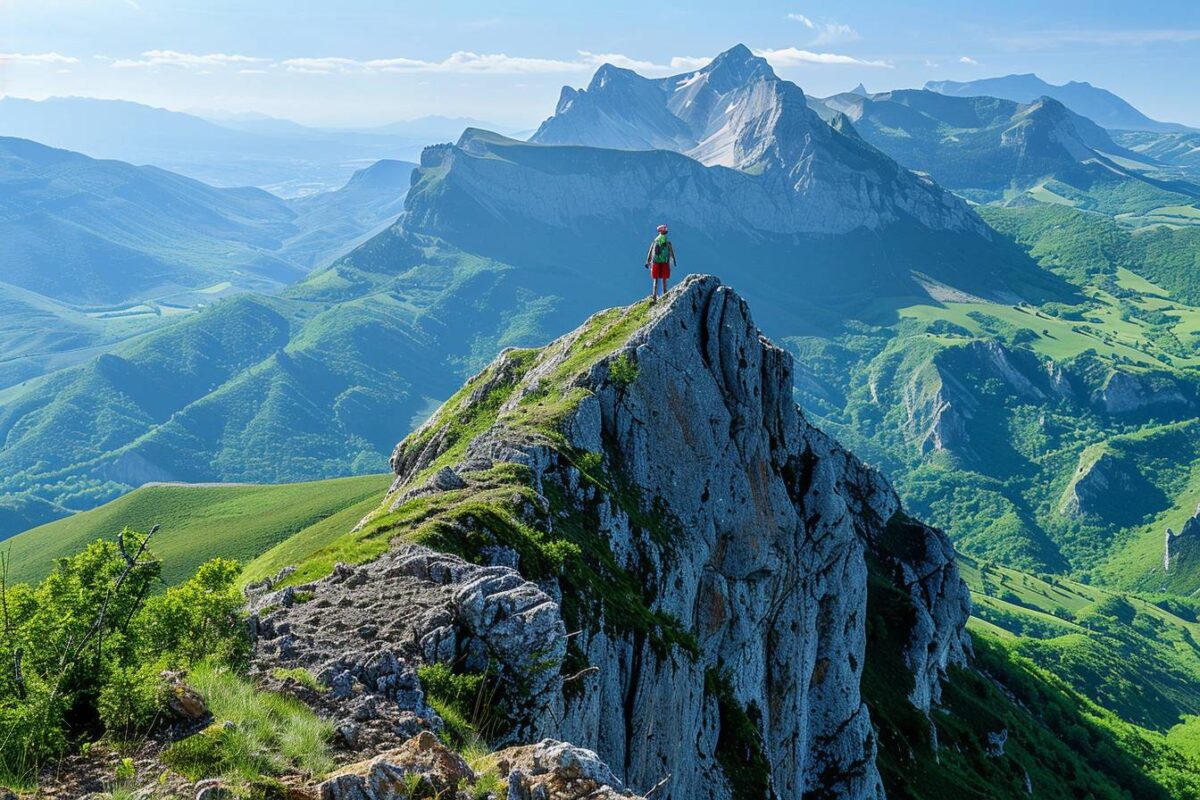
(623, 370)
(90, 646)
(130, 699)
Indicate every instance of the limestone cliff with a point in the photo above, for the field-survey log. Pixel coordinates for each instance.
(638, 538)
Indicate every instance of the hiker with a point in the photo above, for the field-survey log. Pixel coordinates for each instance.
(658, 261)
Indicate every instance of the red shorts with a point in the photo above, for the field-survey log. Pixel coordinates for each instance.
(660, 270)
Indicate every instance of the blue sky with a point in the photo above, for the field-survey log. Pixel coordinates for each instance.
(364, 63)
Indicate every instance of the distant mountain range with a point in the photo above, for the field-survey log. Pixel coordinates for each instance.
(95, 232)
(93, 252)
(282, 156)
(509, 243)
(993, 150)
(1099, 105)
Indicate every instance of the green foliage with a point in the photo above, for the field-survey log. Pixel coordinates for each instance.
(203, 522)
(466, 702)
(740, 750)
(623, 370)
(200, 618)
(268, 735)
(300, 675)
(90, 646)
(1063, 742)
(130, 699)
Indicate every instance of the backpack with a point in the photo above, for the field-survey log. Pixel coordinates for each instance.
(662, 249)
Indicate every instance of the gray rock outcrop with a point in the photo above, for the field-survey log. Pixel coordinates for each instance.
(766, 565)
(733, 543)
(1182, 546)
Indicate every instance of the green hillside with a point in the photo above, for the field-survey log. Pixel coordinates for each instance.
(202, 522)
(999, 151)
(1053, 437)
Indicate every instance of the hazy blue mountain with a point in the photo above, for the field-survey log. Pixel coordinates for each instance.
(995, 150)
(1176, 153)
(501, 243)
(281, 156)
(1099, 105)
(87, 231)
(334, 222)
(94, 252)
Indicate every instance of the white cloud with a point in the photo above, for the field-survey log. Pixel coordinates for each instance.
(689, 62)
(827, 31)
(833, 32)
(968, 60)
(675, 64)
(252, 72)
(460, 62)
(464, 62)
(793, 56)
(201, 62)
(931, 63)
(37, 58)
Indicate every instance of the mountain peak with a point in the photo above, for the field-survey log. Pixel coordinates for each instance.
(766, 517)
(860, 90)
(607, 73)
(738, 65)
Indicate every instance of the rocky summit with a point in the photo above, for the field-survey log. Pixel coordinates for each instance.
(657, 567)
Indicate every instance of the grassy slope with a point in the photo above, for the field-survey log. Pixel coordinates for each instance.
(1095, 690)
(201, 522)
(1004, 498)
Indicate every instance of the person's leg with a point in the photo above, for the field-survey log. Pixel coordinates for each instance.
(653, 289)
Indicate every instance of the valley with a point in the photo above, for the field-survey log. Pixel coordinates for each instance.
(988, 291)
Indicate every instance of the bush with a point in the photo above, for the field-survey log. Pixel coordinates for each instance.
(130, 699)
(91, 646)
(623, 370)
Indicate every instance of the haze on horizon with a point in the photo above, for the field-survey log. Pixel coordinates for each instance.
(361, 63)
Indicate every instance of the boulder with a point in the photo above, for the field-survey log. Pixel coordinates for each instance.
(553, 770)
(422, 767)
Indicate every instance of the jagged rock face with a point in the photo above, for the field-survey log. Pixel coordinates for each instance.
(736, 112)
(769, 522)
(1182, 546)
(1125, 393)
(1096, 484)
(366, 629)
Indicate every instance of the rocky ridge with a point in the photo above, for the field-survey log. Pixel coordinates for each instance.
(637, 541)
(736, 112)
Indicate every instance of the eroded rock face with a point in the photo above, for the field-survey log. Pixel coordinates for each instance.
(367, 628)
(742, 532)
(1182, 546)
(558, 771)
(1126, 393)
(769, 523)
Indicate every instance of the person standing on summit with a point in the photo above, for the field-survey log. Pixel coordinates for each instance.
(658, 261)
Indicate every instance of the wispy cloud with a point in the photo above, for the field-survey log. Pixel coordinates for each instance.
(793, 56)
(929, 62)
(460, 62)
(37, 58)
(675, 64)
(968, 60)
(464, 62)
(199, 62)
(826, 31)
(1115, 38)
